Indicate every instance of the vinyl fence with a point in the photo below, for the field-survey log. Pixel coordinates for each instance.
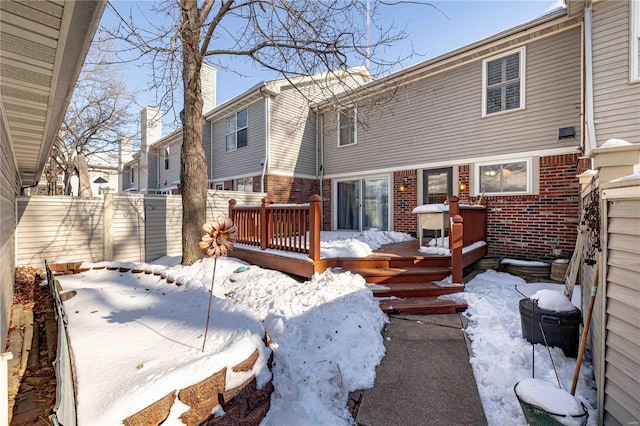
(120, 227)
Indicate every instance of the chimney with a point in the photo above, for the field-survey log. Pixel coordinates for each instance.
(150, 132)
(125, 152)
(208, 82)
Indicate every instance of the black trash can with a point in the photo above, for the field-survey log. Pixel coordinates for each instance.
(562, 329)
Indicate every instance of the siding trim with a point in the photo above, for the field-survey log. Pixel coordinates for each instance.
(455, 162)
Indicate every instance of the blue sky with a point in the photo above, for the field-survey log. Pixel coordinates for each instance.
(430, 33)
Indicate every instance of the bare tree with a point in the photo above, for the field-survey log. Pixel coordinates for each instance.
(292, 37)
(97, 118)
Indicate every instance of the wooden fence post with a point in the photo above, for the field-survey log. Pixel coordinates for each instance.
(232, 204)
(265, 224)
(108, 212)
(455, 239)
(314, 227)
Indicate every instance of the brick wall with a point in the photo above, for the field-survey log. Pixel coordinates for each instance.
(326, 204)
(404, 201)
(282, 189)
(530, 226)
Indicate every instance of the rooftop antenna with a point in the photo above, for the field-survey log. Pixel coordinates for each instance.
(368, 32)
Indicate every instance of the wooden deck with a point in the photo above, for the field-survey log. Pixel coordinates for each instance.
(399, 274)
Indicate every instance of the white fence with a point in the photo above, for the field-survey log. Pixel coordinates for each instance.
(124, 227)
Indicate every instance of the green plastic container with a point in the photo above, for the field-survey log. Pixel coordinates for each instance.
(537, 416)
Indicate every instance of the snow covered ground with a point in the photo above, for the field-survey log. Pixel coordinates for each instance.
(325, 332)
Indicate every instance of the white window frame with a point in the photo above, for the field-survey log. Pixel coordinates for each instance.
(523, 62)
(235, 130)
(634, 42)
(167, 158)
(530, 171)
(354, 125)
(245, 185)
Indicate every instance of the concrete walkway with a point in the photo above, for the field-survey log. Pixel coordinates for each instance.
(425, 377)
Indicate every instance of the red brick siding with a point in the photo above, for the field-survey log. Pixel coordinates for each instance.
(404, 201)
(285, 190)
(326, 204)
(530, 226)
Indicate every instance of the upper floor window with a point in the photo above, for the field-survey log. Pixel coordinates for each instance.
(503, 79)
(634, 42)
(236, 130)
(347, 120)
(167, 156)
(513, 177)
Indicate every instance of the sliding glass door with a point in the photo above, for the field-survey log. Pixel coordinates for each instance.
(363, 204)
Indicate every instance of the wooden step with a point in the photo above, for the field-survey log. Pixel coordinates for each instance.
(402, 275)
(421, 306)
(403, 290)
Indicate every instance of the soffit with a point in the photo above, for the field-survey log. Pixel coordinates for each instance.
(43, 44)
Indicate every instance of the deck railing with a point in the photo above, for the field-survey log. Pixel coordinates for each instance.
(474, 220)
(287, 227)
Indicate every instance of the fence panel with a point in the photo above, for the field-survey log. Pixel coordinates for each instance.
(128, 227)
(59, 228)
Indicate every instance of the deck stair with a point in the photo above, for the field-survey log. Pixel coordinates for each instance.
(409, 284)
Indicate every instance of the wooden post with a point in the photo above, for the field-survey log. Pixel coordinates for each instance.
(454, 210)
(232, 205)
(314, 227)
(456, 249)
(265, 224)
(108, 213)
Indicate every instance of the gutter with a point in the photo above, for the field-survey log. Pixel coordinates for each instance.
(267, 137)
(588, 59)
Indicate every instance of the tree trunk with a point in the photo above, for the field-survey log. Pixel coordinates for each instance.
(193, 163)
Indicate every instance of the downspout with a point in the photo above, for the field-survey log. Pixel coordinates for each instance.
(267, 139)
(588, 59)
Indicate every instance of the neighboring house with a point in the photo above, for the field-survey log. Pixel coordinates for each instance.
(500, 119)
(102, 166)
(262, 140)
(42, 52)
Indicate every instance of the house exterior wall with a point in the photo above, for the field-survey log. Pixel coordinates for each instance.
(293, 133)
(616, 99)
(439, 119)
(289, 190)
(245, 161)
(9, 189)
(617, 316)
(166, 178)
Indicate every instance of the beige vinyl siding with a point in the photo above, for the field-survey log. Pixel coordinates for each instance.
(206, 144)
(292, 144)
(621, 387)
(438, 118)
(59, 229)
(616, 101)
(9, 188)
(167, 177)
(244, 161)
(128, 228)
(163, 222)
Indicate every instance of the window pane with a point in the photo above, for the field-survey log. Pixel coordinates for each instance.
(242, 138)
(494, 100)
(231, 124)
(515, 177)
(512, 96)
(376, 204)
(513, 66)
(494, 72)
(231, 142)
(490, 177)
(242, 119)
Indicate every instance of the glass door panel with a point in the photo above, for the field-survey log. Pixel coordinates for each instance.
(437, 185)
(349, 205)
(376, 204)
(363, 204)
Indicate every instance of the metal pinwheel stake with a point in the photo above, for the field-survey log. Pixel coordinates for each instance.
(218, 239)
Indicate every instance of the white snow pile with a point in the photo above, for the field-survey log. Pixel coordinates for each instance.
(553, 301)
(135, 337)
(357, 244)
(518, 262)
(501, 357)
(551, 400)
(431, 208)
